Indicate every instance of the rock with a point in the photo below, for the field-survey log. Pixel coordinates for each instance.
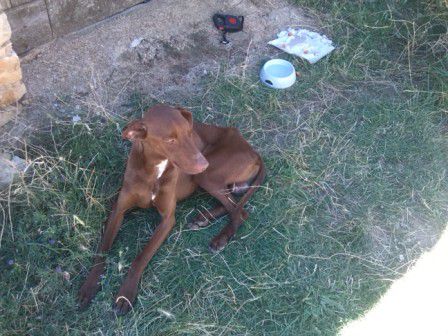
(9, 63)
(10, 169)
(11, 86)
(10, 93)
(6, 50)
(5, 29)
(8, 112)
(10, 71)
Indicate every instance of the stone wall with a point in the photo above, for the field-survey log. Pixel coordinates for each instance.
(35, 22)
(11, 86)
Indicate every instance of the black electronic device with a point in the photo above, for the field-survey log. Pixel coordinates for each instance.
(228, 24)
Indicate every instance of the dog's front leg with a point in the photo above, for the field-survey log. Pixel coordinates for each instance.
(92, 284)
(128, 290)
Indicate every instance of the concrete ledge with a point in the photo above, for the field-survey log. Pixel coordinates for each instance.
(35, 22)
(5, 4)
(15, 3)
(30, 25)
(70, 15)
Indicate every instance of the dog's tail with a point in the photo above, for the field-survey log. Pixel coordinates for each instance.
(256, 183)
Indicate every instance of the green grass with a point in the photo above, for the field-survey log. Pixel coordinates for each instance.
(356, 156)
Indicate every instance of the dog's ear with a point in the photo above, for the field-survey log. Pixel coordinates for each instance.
(187, 115)
(134, 130)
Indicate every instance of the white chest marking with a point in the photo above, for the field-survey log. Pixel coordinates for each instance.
(161, 168)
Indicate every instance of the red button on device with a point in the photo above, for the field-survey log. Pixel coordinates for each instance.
(232, 20)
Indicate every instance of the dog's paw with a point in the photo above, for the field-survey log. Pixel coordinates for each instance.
(87, 293)
(122, 306)
(124, 300)
(218, 243)
(198, 224)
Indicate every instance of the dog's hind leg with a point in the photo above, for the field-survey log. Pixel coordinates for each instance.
(209, 181)
(204, 218)
(231, 206)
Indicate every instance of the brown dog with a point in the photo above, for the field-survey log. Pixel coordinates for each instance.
(171, 157)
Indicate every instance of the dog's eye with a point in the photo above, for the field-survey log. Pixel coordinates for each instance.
(170, 140)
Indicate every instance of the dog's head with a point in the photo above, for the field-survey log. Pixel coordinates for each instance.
(169, 131)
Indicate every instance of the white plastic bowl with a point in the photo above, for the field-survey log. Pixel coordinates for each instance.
(278, 74)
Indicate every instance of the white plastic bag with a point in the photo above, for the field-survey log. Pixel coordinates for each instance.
(303, 43)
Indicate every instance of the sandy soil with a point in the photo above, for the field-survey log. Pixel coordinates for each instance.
(178, 46)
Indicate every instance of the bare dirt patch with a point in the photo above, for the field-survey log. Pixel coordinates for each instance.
(178, 45)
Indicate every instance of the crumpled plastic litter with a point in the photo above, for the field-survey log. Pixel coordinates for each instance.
(135, 42)
(76, 119)
(303, 43)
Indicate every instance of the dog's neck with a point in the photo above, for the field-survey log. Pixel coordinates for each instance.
(150, 159)
(150, 154)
